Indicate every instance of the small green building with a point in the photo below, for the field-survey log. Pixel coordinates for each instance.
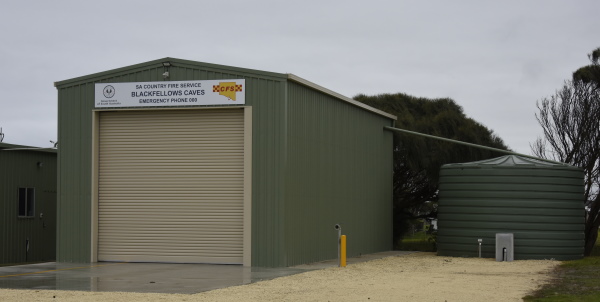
(27, 204)
(181, 161)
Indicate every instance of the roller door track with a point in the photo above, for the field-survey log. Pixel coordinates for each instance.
(170, 186)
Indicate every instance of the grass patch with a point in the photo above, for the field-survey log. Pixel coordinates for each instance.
(596, 250)
(575, 280)
(420, 241)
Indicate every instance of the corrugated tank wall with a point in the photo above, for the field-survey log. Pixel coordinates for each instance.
(265, 93)
(19, 169)
(540, 203)
(338, 170)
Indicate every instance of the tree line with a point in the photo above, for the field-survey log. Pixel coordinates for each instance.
(570, 120)
(417, 160)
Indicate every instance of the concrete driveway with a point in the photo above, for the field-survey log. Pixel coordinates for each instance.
(149, 277)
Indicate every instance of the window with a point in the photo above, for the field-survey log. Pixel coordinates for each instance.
(26, 202)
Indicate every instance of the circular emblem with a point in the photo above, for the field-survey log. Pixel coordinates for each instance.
(109, 91)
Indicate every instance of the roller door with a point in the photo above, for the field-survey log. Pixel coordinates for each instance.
(170, 186)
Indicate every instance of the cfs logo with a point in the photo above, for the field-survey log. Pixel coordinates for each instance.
(228, 89)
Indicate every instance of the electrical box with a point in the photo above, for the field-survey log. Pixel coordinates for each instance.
(505, 247)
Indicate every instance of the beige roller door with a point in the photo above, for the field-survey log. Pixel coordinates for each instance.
(170, 186)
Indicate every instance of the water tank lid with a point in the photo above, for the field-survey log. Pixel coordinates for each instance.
(510, 161)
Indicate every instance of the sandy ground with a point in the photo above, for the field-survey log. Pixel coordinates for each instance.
(414, 277)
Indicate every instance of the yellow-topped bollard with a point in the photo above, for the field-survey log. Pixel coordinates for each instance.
(343, 251)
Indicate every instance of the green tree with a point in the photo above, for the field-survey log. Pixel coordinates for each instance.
(417, 160)
(570, 120)
(589, 73)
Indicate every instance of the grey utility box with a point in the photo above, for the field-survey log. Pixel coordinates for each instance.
(505, 247)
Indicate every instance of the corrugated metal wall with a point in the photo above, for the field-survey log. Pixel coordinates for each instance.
(338, 170)
(317, 161)
(540, 203)
(265, 93)
(74, 172)
(19, 169)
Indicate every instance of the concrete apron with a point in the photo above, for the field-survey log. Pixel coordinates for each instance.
(150, 277)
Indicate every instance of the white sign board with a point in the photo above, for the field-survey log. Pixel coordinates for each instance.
(171, 93)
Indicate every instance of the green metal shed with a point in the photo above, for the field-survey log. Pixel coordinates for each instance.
(27, 204)
(258, 174)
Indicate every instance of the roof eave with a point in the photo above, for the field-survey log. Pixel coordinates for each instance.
(13, 147)
(334, 94)
(158, 64)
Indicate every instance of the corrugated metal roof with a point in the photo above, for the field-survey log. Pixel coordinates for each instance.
(510, 161)
(158, 63)
(8, 147)
(264, 74)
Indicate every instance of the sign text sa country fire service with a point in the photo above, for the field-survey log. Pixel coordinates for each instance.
(171, 93)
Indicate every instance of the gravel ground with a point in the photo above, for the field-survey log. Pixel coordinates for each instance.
(414, 277)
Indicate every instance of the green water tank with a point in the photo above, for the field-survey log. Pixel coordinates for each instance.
(540, 203)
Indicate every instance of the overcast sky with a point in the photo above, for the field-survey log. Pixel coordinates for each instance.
(496, 59)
